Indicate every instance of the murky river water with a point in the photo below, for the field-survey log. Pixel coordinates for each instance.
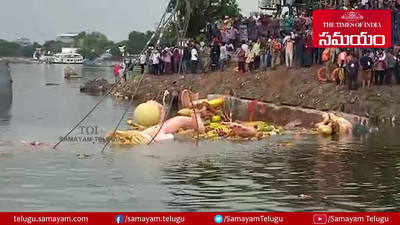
(285, 173)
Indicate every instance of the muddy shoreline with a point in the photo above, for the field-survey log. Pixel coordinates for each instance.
(18, 60)
(282, 87)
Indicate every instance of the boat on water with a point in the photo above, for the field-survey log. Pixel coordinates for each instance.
(69, 58)
(71, 73)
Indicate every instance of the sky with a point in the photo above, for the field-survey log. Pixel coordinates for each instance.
(41, 20)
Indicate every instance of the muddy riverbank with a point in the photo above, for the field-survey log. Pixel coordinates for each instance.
(282, 87)
(18, 60)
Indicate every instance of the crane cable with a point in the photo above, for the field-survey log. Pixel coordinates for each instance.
(165, 116)
(87, 115)
(160, 27)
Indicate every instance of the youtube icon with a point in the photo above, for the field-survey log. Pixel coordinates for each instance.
(320, 218)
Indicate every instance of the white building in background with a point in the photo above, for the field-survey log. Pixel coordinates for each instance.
(67, 38)
(271, 4)
(69, 50)
(268, 4)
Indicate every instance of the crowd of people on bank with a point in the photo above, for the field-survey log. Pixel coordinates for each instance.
(370, 66)
(254, 43)
(260, 42)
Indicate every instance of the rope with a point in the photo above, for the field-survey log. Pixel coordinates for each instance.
(116, 128)
(164, 119)
(87, 115)
(160, 28)
(124, 114)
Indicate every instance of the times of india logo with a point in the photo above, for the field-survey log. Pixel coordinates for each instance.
(352, 16)
(352, 28)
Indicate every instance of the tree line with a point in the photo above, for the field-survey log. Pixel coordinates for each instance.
(13, 49)
(91, 45)
(94, 44)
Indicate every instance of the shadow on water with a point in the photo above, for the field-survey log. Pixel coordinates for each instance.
(310, 173)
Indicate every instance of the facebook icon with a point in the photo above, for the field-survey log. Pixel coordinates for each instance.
(119, 219)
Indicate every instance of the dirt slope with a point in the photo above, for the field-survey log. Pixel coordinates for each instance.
(296, 87)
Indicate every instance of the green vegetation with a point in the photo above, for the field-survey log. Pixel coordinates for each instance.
(205, 11)
(93, 44)
(90, 45)
(8, 48)
(54, 46)
(209, 11)
(137, 41)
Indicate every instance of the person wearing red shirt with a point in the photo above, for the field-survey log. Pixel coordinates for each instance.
(117, 68)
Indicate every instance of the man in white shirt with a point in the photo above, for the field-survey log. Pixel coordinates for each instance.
(223, 56)
(364, 2)
(142, 61)
(245, 47)
(194, 60)
(156, 61)
(289, 52)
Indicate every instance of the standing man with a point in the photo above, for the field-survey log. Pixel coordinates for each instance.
(245, 47)
(194, 60)
(397, 68)
(124, 69)
(215, 55)
(149, 56)
(142, 62)
(206, 58)
(391, 65)
(299, 49)
(276, 48)
(263, 55)
(241, 58)
(352, 70)
(289, 47)
(380, 67)
(223, 56)
(366, 64)
(156, 62)
(176, 60)
(257, 49)
(186, 60)
(116, 72)
(232, 35)
(250, 56)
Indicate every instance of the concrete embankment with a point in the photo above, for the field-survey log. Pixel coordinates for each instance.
(288, 116)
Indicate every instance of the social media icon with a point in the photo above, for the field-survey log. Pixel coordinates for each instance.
(218, 219)
(320, 219)
(119, 219)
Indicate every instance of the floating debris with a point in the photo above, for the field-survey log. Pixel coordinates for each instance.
(210, 123)
(96, 86)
